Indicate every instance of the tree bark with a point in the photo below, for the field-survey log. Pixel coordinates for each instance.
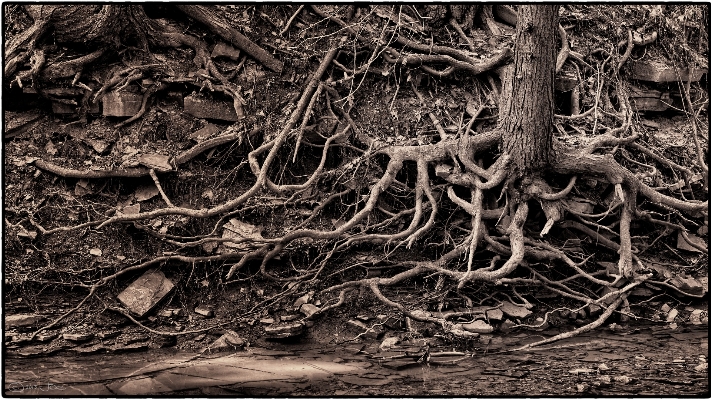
(526, 116)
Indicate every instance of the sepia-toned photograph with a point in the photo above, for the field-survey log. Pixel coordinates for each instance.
(355, 200)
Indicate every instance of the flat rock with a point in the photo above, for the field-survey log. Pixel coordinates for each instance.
(695, 317)
(358, 324)
(478, 326)
(108, 334)
(77, 337)
(230, 340)
(594, 309)
(121, 103)
(267, 320)
(309, 309)
(22, 320)
(303, 299)
(285, 330)
(672, 315)
(204, 310)
(158, 162)
(46, 337)
(682, 244)
(205, 133)
(655, 71)
(507, 326)
(688, 285)
(145, 293)
(225, 50)
(206, 108)
(389, 343)
(512, 310)
(495, 314)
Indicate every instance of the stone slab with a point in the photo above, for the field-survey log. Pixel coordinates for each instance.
(206, 108)
(22, 320)
(655, 71)
(145, 293)
(121, 104)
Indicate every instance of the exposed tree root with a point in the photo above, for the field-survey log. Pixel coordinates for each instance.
(482, 175)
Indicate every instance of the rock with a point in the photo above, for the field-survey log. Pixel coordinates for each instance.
(512, 310)
(133, 338)
(702, 367)
(672, 315)
(285, 330)
(655, 71)
(166, 313)
(159, 162)
(623, 379)
(108, 334)
(46, 337)
(495, 314)
(688, 285)
(605, 380)
(205, 108)
(145, 293)
(230, 340)
(358, 324)
(163, 341)
(507, 326)
(695, 317)
(204, 310)
(225, 50)
(289, 317)
(388, 343)
(665, 308)
(603, 367)
(205, 133)
(681, 243)
(77, 337)
(478, 326)
(62, 108)
(267, 320)
(582, 314)
(309, 309)
(364, 318)
(89, 350)
(121, 103)
(22, 320)
(594, 310)
(303, 299)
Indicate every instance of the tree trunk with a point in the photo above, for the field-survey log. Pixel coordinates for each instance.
(526, 115)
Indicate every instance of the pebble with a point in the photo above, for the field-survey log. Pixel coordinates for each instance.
(702, 367)
(672, 315)
(665, 308)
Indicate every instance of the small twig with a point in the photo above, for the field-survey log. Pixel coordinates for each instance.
(293, 17)
(152, 172)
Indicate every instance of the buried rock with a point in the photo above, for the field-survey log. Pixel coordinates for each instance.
(512, 310)
(281, 331)
(230, 340)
